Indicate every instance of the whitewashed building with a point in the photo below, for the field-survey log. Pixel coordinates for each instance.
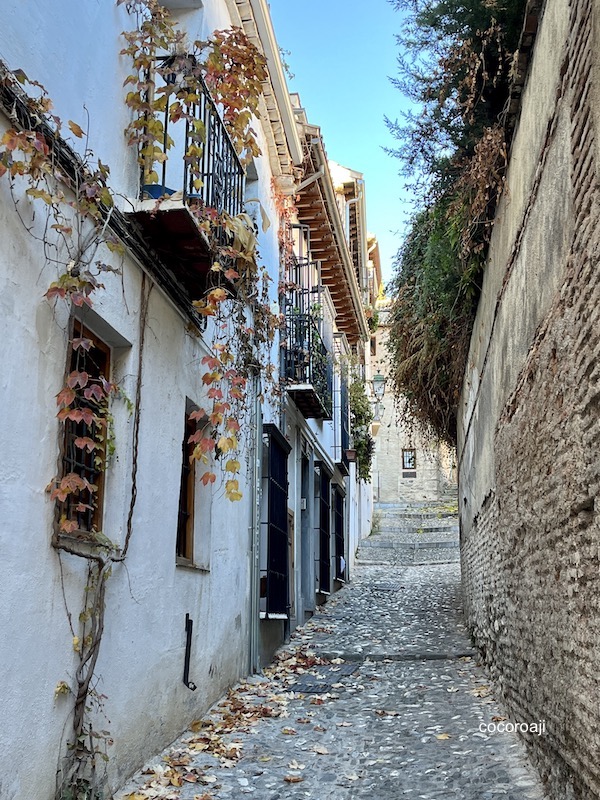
(129, 607)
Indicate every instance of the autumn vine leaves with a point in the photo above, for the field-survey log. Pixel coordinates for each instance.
(164, 91)
(79, 205)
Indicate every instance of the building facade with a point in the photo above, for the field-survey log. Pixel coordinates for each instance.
(409, 466)
(176, 306)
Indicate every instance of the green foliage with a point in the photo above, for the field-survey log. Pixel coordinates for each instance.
(455, 66)
(361, 417)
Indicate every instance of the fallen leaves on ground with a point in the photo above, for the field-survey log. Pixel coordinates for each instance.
(242, 708)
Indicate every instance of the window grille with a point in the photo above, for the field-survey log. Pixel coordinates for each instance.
(86, 507)
(274, 579)
(184, 548)
(338, 529)
(324, 510)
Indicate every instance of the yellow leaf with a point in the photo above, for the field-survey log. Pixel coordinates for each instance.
(77, 644)
(75, 129)
(106, 197)
(61, 688)
(232, 465)
(442, 736)
(224, 444)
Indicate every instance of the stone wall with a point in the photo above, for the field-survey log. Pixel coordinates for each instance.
(434, 477)
(530, 424)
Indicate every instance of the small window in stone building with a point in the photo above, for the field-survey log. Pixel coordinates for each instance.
(409, 463)
(409, 459)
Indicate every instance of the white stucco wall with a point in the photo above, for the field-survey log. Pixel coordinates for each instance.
(75, 54)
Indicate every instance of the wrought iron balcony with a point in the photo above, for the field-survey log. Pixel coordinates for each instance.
(307, 365)
(202, 173)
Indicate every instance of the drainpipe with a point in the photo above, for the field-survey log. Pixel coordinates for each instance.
(254, 648)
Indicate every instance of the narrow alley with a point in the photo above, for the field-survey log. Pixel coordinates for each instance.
(379, 695)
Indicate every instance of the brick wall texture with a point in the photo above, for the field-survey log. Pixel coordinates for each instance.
(531, 549)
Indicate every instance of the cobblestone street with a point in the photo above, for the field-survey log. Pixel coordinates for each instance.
(378, 696)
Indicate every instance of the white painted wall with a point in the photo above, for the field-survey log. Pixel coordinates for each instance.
(75, 54)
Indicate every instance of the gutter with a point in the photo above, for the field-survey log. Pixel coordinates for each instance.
(264, 26)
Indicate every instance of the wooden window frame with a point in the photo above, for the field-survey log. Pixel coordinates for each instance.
(184, 543)
(80, 461)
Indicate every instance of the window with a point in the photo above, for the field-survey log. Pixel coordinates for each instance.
(323, 504)
(187, 491)
(409, 459)
(275, 556)
(84, 445)
(339, 538)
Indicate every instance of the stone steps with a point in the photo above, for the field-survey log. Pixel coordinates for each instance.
(412, 533)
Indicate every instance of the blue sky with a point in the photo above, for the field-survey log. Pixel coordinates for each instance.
(342, 53)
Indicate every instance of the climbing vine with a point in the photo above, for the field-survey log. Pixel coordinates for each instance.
(238, 298)
(455, 67)
(361, 417)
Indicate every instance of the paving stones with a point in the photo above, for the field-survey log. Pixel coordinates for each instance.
(398, 715)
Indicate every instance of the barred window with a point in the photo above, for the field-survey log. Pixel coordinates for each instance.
(409, 459)
(84, 445)
(185, 520)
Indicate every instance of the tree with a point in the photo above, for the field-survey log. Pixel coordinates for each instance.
(455, 66)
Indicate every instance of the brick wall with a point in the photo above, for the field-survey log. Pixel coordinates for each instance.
(530, 527)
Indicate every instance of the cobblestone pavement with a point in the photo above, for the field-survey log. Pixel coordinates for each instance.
(378, 696)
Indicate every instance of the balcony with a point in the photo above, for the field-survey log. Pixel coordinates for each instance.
(307, 361)
(201, 178)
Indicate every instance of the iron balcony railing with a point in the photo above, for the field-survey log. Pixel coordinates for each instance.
(202, 161)
(307, 361)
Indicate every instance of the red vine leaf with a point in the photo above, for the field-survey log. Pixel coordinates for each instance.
(56, 291)
(85, 443)
(65, 397)
(94, 392)
(76, 129)
(84, 415)
(68, 525)
(208, 477)
(78, 379)
(82, 342)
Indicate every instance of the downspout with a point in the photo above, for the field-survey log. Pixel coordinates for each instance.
(254, 646)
